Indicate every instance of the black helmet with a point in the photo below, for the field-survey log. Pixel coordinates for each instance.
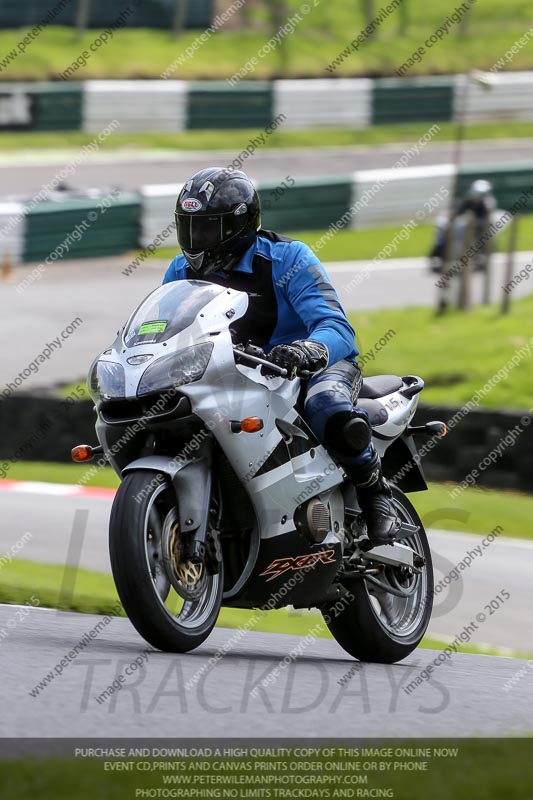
(217, 218)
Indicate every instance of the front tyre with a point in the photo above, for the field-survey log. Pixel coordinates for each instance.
(383, 626)
(144, 549)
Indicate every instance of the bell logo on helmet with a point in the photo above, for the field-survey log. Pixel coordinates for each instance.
(191, 204)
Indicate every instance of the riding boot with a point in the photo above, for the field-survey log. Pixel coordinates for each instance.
(375, 500)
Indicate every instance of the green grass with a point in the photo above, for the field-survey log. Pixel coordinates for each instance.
(88, 592)
(485, 508)
(57, 586)
(316, 41)
(52, 472)
(78, 390)
(455, 353)
(348, 245)
(236, 140)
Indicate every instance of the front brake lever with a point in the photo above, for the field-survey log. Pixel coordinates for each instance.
(257, 356)
(261, 362)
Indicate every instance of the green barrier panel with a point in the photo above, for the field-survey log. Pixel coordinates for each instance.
(216, 104)
(82, 228)
(311, 204)
(511, 182)
(396, 101)
(58, 107)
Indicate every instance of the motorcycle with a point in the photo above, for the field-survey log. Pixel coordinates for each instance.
(227, 499)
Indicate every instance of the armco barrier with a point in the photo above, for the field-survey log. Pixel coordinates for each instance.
(58, 107)
(394, 197)
(27, 434)
(508, 98)
(157, 211)
(216, 104)
(41, 106)
(136, 105)
(82, 228)
(324, 103)
(12, 232)
(403, 194)
(316, 203)
(412, 100)
(174, 105)
(312, 203)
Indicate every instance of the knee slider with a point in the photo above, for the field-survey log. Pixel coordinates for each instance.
(357, 434)
(348, 432)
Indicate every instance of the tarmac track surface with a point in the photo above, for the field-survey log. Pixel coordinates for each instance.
(463, 697)
(25, 174)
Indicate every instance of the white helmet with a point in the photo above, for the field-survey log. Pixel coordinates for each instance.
(480, 190)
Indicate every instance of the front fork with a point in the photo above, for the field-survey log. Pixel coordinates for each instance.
(192, 481)
(193, 484)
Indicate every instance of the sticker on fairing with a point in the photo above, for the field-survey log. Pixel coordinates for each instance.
(155, 326)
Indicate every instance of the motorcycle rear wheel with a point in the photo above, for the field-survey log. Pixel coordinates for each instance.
(378, 626)
(144, 513)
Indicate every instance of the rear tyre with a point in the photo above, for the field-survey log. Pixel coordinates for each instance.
(144, 549)
(376, 625)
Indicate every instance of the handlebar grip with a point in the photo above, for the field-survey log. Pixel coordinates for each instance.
(263, 361)
(260, 362)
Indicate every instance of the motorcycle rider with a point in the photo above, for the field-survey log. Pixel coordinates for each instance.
(294, 314)
(480, 200)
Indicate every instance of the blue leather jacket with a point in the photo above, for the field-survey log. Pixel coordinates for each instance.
(290, 296)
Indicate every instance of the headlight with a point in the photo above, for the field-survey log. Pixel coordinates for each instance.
(107, 381)
(178, 369)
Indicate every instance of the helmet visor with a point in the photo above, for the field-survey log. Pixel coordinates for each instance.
(205, 232)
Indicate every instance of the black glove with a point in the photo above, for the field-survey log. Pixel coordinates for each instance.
(304, 354)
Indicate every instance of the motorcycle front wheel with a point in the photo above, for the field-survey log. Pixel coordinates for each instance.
(387, 615)
(173, 604)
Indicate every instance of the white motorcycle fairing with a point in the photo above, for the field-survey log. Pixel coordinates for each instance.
(280, 466)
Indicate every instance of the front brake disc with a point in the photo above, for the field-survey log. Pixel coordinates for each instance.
(188, 577)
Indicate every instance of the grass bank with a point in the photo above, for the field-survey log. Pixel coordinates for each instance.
(236, 140)
(456, 354)
(319, 36)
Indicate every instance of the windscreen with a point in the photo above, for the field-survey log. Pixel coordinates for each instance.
(169, 310)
